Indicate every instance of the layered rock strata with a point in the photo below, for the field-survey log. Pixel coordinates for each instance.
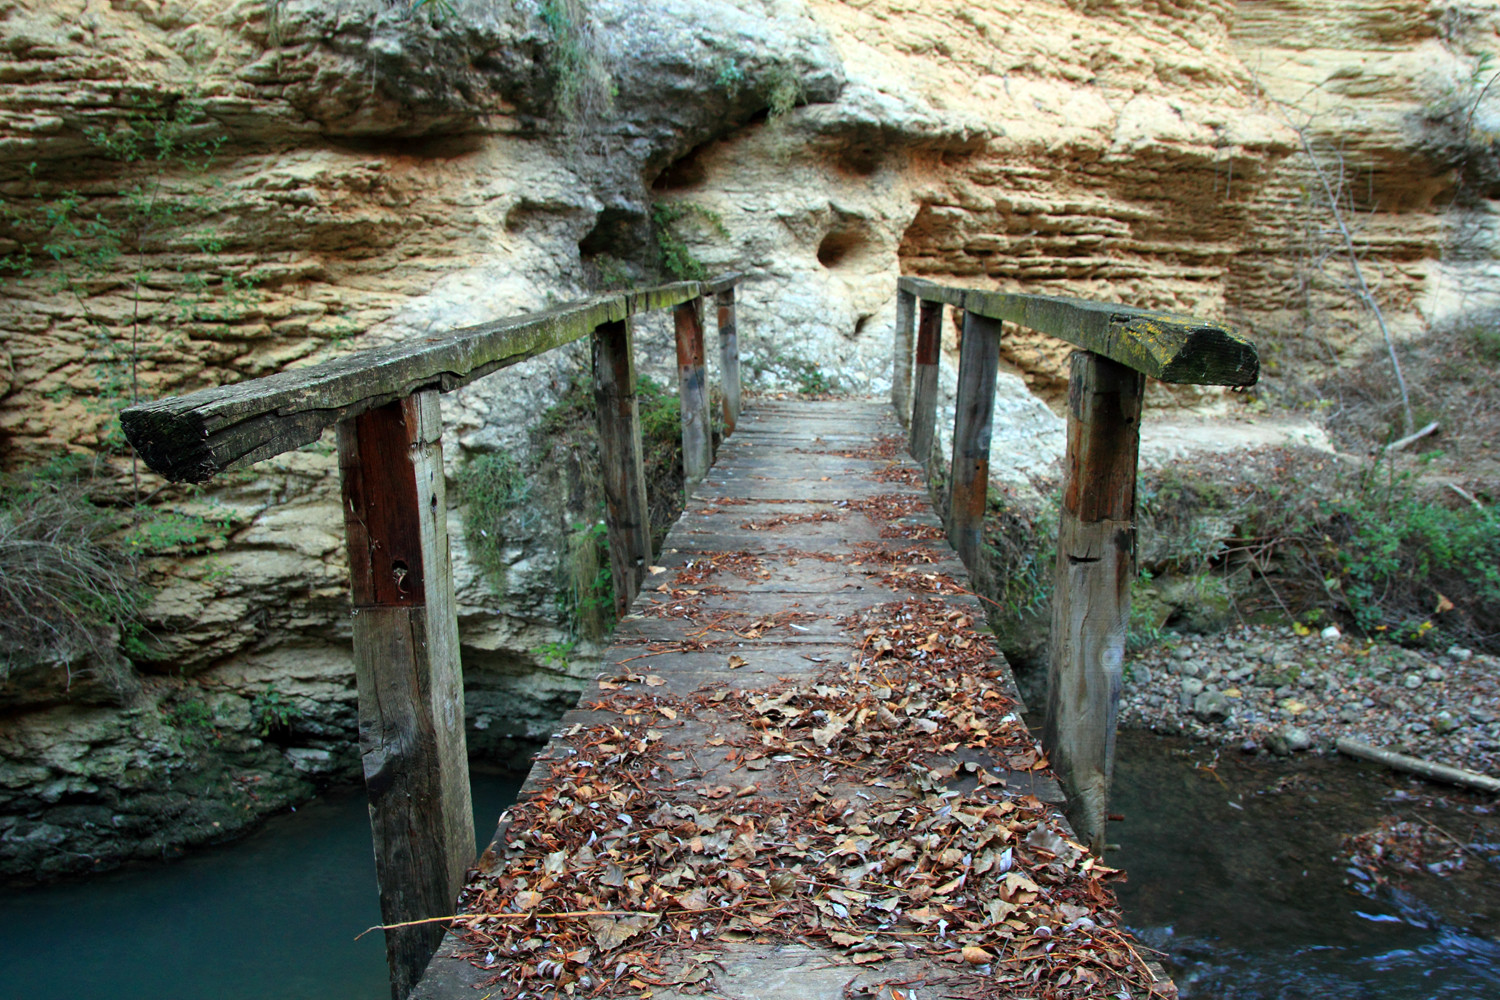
(381, 172)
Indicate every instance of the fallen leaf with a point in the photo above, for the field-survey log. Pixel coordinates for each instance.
(736, 661)
(694, 899)
(824, 736)
(611, 932)
(655, 680)
(975, 955)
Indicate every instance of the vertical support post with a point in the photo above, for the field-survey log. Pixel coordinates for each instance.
(979, 360)
(406, 661)
(924, 399)
(729, 358)
(1091, 598)
(626, 513)
(692, 391)
(906, 310)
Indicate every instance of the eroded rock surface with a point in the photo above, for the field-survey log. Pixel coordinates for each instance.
(385, 174)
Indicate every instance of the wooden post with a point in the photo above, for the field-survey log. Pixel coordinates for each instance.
(729, 358)
(406, 661)
(924, 398)
(626, 513)
(906, 308)
(979, 360)
(692, 391)
(1091, 597)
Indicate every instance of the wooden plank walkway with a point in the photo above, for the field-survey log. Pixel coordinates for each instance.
(802, 772)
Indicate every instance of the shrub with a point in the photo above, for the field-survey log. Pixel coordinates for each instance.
(68, 586)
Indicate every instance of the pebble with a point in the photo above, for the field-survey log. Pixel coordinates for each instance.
(1441, 706)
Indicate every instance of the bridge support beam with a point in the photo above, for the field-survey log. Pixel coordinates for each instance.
(906, 310)
(1091, 597)
(729, 358)
(692, 392)
(979, 360)
(406, 661)
(924, 396)
(626, 514)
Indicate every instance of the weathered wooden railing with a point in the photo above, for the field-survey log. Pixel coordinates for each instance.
(1120, 347)
(385, 405)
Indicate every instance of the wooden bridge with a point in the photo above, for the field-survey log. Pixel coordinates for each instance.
(803, 771)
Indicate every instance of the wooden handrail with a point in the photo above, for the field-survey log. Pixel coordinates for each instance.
(384, 402)
(195, 437)
(1120, 347)
(1158, 345)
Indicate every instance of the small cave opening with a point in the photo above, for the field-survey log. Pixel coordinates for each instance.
(685, 173)
(617, 232)
(861, 159)
(839, 246)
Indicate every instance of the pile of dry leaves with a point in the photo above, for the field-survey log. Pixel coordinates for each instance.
(850, 812)
(875, 806)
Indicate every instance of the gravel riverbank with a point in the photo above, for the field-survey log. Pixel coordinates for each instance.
(1269, 690)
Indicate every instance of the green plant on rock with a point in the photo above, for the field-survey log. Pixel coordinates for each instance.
(271, 711)
(729, 77)
(661, 451)
(490, 488)
(581, 83)
(193, 720)
(589, 593)
(136, 245)
(783, 91)
(555, 654)
(669, 220)
(806, 375)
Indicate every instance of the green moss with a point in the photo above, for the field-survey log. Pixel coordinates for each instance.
(490, 487)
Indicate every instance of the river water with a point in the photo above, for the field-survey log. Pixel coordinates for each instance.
(1237, 873)
(1234, 866)
(271, 916)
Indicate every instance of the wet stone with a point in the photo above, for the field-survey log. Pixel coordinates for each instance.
(1211, 706)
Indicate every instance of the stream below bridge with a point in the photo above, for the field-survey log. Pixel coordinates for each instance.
(1235, 874)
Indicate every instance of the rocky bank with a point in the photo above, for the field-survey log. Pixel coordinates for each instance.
(382, 171)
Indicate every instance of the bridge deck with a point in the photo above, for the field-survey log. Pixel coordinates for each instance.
(802, 772)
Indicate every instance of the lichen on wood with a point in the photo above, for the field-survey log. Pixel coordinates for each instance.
(1162, 346)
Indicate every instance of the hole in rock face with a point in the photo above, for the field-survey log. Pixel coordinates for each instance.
(684, 173)
(617, 232)
(860, 324)
(839, 247)
(862, 160)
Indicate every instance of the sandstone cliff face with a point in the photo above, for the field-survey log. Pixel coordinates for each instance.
(386, 174)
